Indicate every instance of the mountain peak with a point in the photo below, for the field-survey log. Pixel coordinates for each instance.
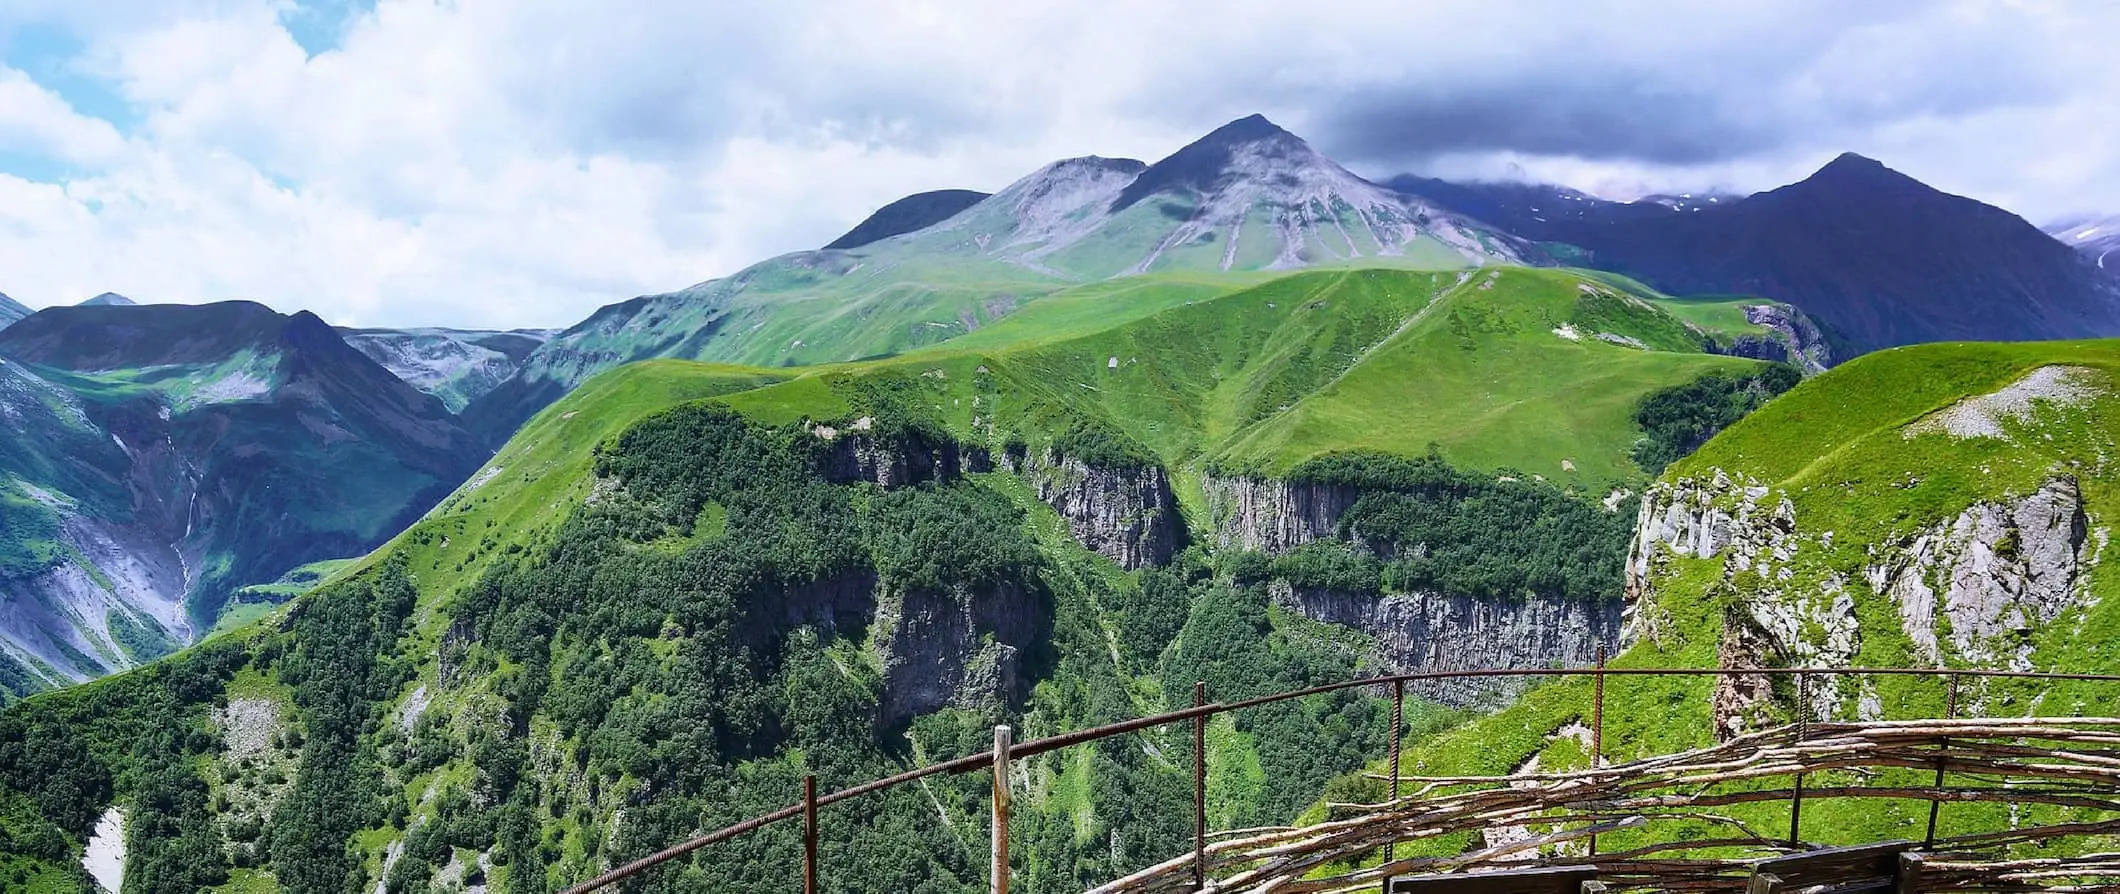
(110, 299)
(1209, 160)
(1851, 170)
(914, 212)
(1248, 129)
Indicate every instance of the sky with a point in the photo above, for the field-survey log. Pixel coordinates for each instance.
(518, 163)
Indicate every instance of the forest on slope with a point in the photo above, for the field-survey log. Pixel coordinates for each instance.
(651, 614)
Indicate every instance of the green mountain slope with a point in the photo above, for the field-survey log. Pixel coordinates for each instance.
(682, 586)
(1944, 505)
(157, 458)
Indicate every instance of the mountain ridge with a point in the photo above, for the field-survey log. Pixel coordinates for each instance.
(914, 212)
(1871, 253)
(1246, 197)
(161, 457)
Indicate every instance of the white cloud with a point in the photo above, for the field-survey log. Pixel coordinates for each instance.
(36, 122)
(519, 162)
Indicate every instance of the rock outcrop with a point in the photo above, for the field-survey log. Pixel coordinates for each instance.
(1990, 575)
(956, 649)
(1127, 515)
(857, 455)
(1271, 515)
(1966, 589)
(1418, 632)
(1792, 338)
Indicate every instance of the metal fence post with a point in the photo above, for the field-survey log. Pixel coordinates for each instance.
(1398, 720)
(1802, 726)
(809, 834)
(1199, 786)
(1001, 805)
(1943, 747)
(1597, 724)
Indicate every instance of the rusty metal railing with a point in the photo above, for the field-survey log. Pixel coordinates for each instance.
(1202, 711)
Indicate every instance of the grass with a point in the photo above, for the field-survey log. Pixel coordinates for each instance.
(1836, 447)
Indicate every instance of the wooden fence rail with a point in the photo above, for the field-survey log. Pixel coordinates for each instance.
(1230, 864)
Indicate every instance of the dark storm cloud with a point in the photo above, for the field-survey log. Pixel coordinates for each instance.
(1630, 117)
(1730, 95)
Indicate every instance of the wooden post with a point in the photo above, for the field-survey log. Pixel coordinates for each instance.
(1001, 805)
(1597, 724)
(1199, 787)
(1802, 726)
(1910, 867)
(1943, 747)
(809, 834)
(1398, 719)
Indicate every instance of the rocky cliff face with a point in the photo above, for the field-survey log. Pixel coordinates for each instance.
(1273, 516)
(1419, 632)
(1966, 589)
(1793, 338)
(955, 649)
(1127, 515)
(1994, 572)
(856, 455)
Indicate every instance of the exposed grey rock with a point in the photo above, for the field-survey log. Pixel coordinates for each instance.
(1793, 339)
(1419, 632)
(1272, 515)
(2003, 569)
(958, 649)
(1127, 515)
(1997, 569)
(857, 455)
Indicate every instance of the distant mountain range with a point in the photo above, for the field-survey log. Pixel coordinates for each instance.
(159, 457)
(11, 310)
(2098, 238)
(1875, 256)
(1248, 196)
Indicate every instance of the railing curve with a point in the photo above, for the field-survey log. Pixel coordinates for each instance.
(1006, 751)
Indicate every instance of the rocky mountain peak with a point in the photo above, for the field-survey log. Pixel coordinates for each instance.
(1245, 148)
(110, 299)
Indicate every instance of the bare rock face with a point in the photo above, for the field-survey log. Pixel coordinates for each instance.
(1792, 338)
(1426, 631)
(1995, 571)
(1965, 589)
(955, 649)
(1274, 516)
(855, 455)
(1127, 515)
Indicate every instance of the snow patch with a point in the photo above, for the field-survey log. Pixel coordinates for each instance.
(105, 856)
(1568, 331)
(1982, 416)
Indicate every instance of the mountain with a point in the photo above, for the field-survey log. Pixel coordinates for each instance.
(914, 212)
(685, 585)
(109, 299)
(159, 457)
(2098, 238)
(1875, 256)
(1247, 197)
(11, 310)
(456, 365)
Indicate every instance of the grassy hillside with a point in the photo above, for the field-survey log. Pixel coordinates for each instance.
(651, 613)
(1503, 368)
(1876, 479)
